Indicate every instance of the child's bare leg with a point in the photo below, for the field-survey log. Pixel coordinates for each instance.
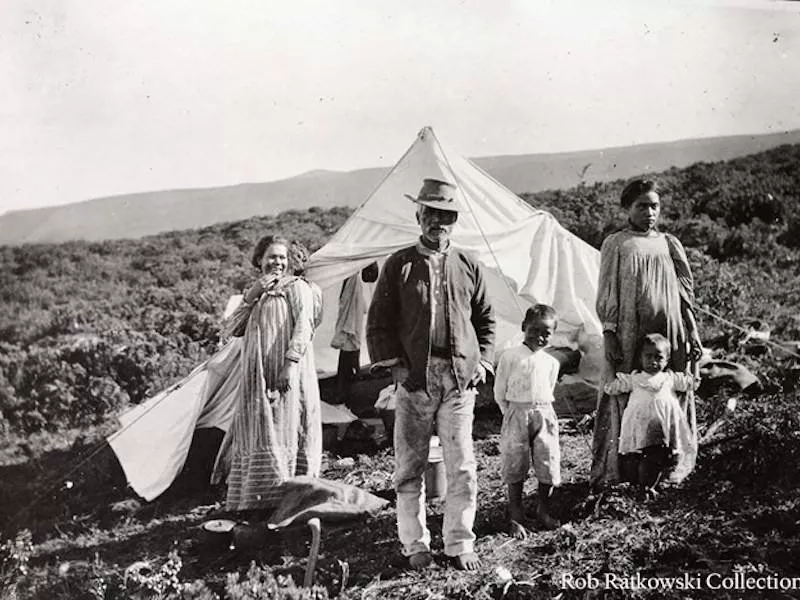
(516, 513)
(651, 467)
(543, 507)
(629, 467)
(646, 478)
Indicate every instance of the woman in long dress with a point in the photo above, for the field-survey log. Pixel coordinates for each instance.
(645, 286)
(276, 433)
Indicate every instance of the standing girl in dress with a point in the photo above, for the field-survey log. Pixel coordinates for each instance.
(654, 433)
(645, 286)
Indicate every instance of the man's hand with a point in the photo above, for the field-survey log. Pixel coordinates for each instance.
(613, 350)
(479, 376)
(287, 376)
(399, 374)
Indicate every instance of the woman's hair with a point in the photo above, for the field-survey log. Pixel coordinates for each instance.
(539, 311)
(634, 189)
(655, 340)
(262, 245)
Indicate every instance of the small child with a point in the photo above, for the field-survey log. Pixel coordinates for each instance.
(523, 388)
(654, 431)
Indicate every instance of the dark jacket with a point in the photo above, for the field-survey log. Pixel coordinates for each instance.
(398, 323)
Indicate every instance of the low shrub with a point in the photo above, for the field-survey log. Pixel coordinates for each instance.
(761, 444)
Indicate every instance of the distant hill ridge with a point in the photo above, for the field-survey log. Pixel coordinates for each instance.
(147, 213)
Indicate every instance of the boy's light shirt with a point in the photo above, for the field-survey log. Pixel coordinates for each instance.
(526, 377)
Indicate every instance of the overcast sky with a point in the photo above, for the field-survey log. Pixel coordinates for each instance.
(103, 97)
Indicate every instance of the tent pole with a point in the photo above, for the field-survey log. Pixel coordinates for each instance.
(480, 228)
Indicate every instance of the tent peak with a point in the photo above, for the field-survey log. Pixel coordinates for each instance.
(425, 132)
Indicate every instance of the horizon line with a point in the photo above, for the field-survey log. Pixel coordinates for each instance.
(387, 166)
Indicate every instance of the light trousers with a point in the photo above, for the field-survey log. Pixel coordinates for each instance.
(452, 413)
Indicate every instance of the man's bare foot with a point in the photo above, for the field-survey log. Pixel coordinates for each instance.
(468, 561)
(420, 560)
(545, 520)
(517, 530)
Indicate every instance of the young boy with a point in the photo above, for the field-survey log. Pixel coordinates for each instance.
(523, 388)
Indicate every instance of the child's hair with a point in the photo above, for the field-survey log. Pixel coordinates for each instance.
(655, 340)
(539, 311)
(298, 257)
(634, 189)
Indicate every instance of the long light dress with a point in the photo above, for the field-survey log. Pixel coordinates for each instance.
(645, 280)
(274, 436)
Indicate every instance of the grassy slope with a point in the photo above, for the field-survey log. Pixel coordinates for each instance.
(711, 525)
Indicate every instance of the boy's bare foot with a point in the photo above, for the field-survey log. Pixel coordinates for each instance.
(420, 560)
(468, 561)
(517, 530)
(545, 520)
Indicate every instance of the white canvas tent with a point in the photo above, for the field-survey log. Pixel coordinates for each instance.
(528, 256)
(153, 443)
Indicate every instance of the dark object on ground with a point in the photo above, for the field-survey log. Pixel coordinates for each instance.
(331, 501)
(363, 392)
(716, 374)
(358, 431)
(129, 506)
(312, 502)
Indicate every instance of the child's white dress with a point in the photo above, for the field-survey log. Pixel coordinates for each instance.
(653, 416)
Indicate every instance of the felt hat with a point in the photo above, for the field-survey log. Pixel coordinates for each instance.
(437, 194)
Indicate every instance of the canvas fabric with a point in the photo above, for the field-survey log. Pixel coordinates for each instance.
(528, 257)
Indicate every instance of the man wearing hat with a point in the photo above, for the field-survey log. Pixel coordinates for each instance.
(431, 322)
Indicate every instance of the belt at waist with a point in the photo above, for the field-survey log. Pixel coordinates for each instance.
(441, 352)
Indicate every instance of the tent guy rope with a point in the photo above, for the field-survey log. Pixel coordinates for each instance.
(746, 331)
(61, 481)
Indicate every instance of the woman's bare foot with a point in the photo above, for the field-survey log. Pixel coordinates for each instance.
(420, 560)
(468, 561)
(517, 530)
